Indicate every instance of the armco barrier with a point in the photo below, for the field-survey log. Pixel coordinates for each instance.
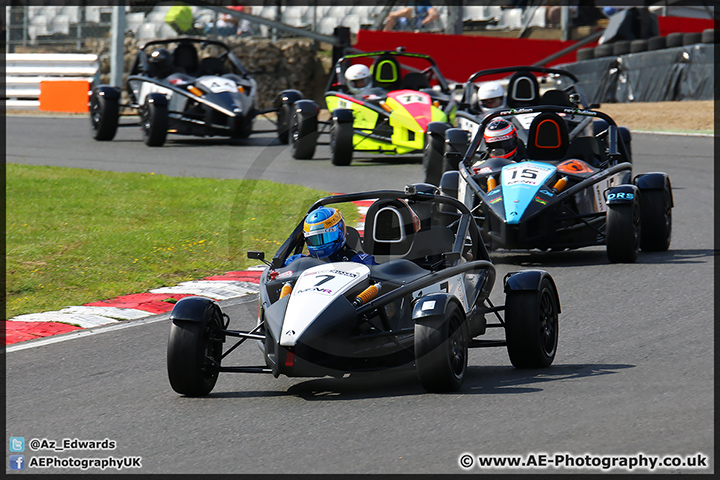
(24, 73)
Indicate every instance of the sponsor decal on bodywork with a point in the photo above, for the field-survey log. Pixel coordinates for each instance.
(219, 84)
(619, 195)
(324, 291)
(341, 272)
(528, 174)
(547, 193)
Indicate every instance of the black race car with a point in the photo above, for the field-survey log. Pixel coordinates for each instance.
(422, 306)
(174, 89)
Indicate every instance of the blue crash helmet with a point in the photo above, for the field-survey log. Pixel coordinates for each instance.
(324, 231)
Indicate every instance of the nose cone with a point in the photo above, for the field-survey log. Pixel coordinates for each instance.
(520, 182)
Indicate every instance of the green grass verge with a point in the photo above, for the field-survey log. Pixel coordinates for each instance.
(76, 236)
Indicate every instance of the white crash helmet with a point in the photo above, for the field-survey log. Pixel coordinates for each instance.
(358, 78)
(488, 92)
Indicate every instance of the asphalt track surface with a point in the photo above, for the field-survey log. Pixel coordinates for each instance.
(633, 375)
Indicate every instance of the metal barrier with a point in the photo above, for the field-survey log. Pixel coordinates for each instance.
(25, 71)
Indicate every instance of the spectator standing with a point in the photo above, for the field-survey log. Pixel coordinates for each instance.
(422, 11)
(180, 18)
(228, 24)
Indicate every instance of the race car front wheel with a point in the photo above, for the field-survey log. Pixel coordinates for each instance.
(341, 143)
(154, 116)
(441, 350)
(531, 325)
(622, 232)
(194, 353)
(104, 115)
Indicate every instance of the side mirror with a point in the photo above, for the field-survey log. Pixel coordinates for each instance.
(450, 257)
(254, 255)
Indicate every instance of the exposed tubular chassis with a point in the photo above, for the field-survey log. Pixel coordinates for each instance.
(466, 222)
(370, 307)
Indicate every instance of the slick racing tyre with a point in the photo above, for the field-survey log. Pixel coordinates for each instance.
(194, 353)
(284, 115)
(622, 232)
(441, 350)
(284, 105)
(433, 158)
(531, 326)
(303, 136)
(244, 126)
(154, 121)
(656, 220)
(104, 115)
(341, 143)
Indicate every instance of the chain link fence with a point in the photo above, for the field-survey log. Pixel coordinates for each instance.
(86, 28)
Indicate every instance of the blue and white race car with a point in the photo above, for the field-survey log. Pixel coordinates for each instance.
(564, 194)
(525, 87)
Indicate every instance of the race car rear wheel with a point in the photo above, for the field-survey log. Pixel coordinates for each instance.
(656, 219)
(441, 350)
(194, 354)
(154, 122)
(284, 105)
(303, 136)
(531, 326)
(622, 232)
(341, 143)
(104, 115)
(284, 114)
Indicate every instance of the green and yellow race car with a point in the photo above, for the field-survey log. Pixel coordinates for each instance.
(380, 102)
